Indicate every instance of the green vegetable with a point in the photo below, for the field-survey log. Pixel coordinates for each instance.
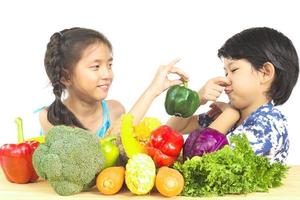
(230, 171)
(69, 159)
(110, 151)
(140, 174)
(181, 101)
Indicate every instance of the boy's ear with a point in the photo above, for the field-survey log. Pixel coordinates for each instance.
(268, 72)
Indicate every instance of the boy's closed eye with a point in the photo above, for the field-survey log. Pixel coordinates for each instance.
(231, 70)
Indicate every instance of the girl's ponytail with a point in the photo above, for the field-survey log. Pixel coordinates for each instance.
(58, 113)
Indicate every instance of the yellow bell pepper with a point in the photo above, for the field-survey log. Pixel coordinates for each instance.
(144, 129)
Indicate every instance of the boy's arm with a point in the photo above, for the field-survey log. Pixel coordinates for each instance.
(184, 125)
(226, 120)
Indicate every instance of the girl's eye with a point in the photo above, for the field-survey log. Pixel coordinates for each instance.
(95, 67)
(109, 65)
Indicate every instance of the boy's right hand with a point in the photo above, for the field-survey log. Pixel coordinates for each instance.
(212, 89)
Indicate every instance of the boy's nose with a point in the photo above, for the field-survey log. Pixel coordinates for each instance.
(226, 82)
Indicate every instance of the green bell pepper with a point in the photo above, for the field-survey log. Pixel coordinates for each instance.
(181, 101)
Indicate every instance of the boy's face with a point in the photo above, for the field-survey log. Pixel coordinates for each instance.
(92, 75)
(245, 89)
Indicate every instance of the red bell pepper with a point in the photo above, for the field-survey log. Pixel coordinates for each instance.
(16, 162)
(164, 146)
(16, 159)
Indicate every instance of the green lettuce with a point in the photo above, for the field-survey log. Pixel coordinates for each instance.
(230, 171)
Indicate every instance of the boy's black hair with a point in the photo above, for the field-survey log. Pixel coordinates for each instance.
(260, 45)
(64, 50)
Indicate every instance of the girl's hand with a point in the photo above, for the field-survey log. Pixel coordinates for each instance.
(212, 89)
(161, 82)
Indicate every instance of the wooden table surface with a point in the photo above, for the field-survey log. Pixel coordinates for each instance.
(42, 190)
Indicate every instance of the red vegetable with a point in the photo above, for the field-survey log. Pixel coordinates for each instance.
(16, 162)
(16, 159)
(164, 146)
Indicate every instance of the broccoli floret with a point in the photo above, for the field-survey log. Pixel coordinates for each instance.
(69, 159)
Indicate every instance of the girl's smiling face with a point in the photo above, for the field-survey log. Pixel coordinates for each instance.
(245, 89)
(92, 76)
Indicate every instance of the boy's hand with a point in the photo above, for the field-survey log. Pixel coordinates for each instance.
(224, 115)
(212, 89)
(161, 82)
(219, 107)
(214, 111)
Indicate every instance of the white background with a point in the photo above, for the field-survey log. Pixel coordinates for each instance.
(144, 35)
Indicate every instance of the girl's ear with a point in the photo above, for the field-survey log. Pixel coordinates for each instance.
(65, 79)
(267, 73)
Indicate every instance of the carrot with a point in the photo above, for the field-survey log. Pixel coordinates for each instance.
(169, 182)
(110, 180)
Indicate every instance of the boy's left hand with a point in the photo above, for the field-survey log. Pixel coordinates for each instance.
(217, 108)
(161, 82)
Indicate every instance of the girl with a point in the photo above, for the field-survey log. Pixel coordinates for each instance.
(78, 61)
(261, 68)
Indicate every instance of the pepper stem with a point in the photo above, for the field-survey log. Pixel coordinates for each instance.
(19, 123)
(185, 84)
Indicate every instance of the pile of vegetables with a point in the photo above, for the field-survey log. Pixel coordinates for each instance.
(69, 159)
(230, 171)
(73, 160)
(140, 178)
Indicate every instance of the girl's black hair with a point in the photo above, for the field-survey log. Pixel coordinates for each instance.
(64, 50)
(260, 45)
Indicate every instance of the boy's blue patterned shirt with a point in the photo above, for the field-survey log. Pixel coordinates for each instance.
(266, 129)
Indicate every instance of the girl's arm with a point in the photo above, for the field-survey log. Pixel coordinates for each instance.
(45, 124)
(159, 84)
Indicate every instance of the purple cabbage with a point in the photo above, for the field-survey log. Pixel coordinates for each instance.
(201, 141)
